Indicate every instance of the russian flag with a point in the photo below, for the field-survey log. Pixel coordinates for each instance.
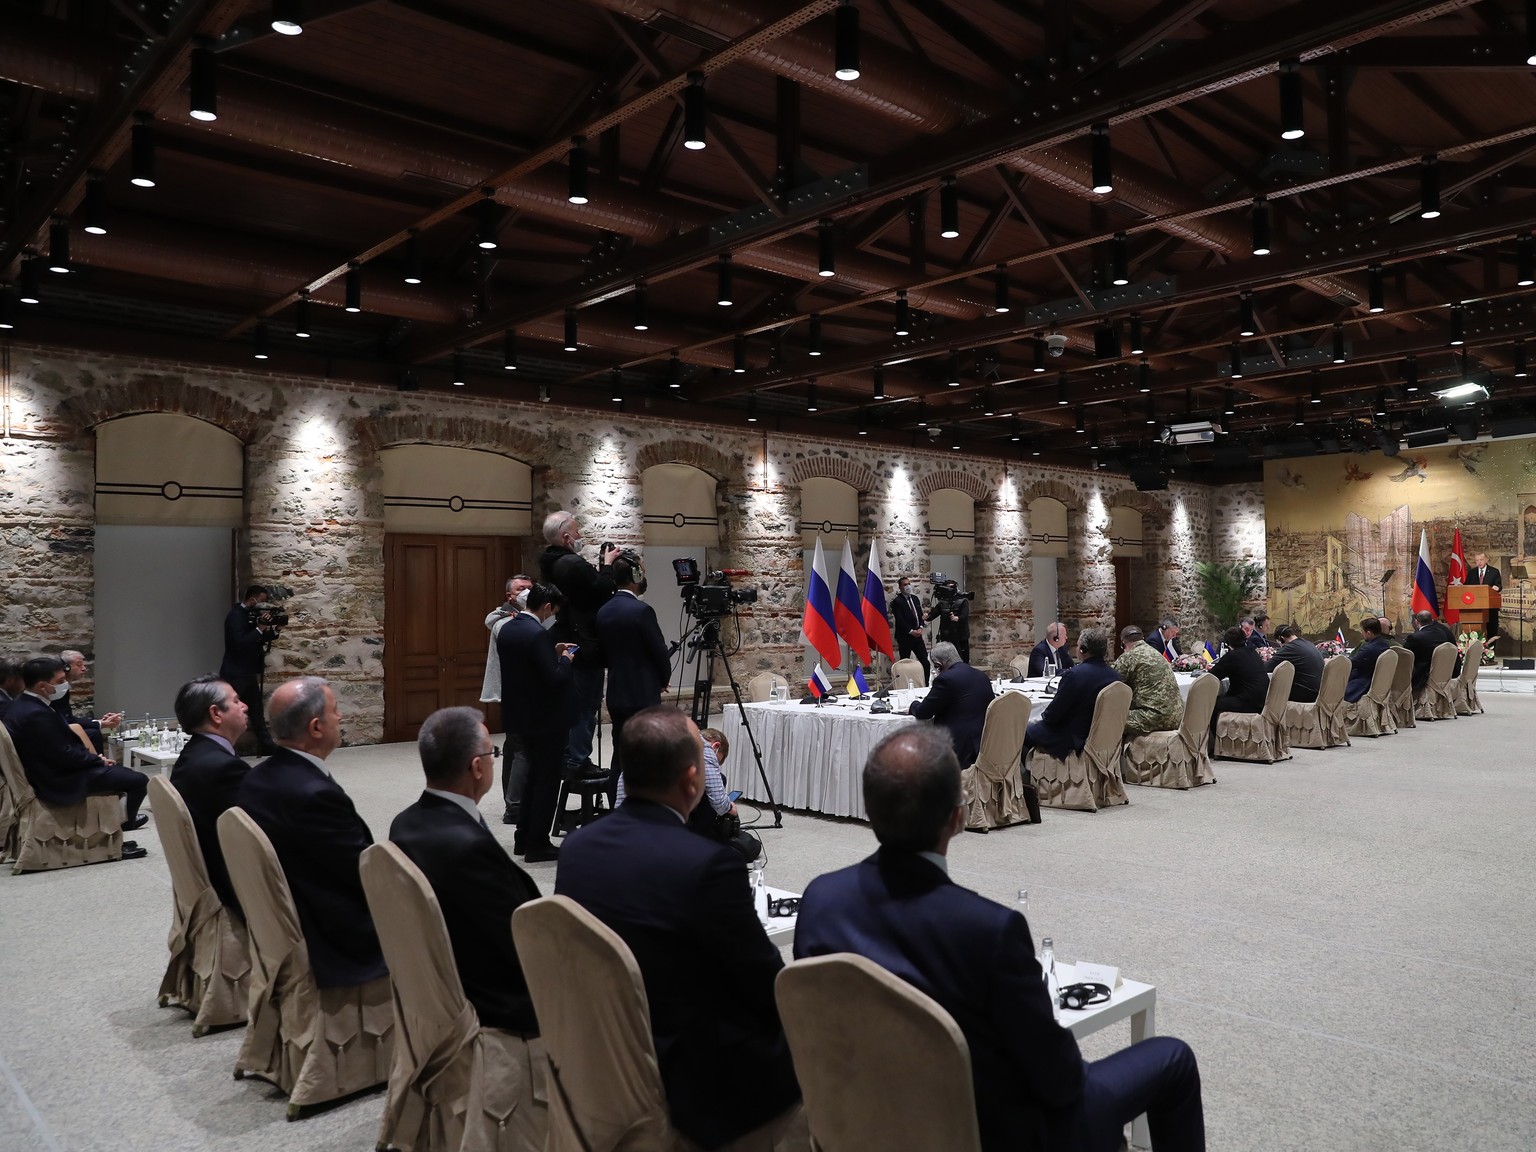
(816, 627)
(1339, 636)
(1424, 580)
(857, 685)
(847, 612)
(818, 685)
(877, 623)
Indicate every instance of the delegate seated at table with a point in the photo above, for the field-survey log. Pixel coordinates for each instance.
(1247, 682)
(1362, 661)
(956, 700)
(899, 908)
(1156, 705)
(1303, 655)
(1063, 727)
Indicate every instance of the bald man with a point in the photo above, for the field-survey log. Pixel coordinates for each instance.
(1050, 657)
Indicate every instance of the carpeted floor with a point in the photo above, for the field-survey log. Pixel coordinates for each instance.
(1346, 940)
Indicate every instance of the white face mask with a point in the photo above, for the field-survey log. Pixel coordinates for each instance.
(60, 690)
(550, 622)
(522, 600)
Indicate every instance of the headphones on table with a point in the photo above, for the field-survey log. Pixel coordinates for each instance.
(1076, 997)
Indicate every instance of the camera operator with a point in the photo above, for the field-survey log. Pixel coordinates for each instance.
(952, 609)
(585, 590)
(247, 636)
(640, 665)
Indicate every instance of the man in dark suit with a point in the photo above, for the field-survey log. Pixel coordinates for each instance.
(1243, 669)
(1362, 661)
(476, 883)
(1257, 627)
(208, 774)
(682, 904)
(907, 612)
(90, 727)
(538, 702)
(316, 832)
(1050, 657)
(1422, 642)
(59, 767)
(899, 908)
(954, 619)
(245, 659)
(1297, 650)
(639, 665)
(957, 700)
(1484, 573)
(10, 683)
(1063, 727)
(584, 589)
(1165, 639)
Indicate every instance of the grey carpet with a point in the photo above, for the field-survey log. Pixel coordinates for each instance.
(1346, 940)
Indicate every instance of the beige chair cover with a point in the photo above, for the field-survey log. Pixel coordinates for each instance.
(43, 837)
(908, 669)
(1372, 714)
(1402, 690)
(314, 1043)
(1437, 701)
(10, 819)
(1464, 690)
(1177, 759)
(883, 1068)
(210, 970)
(994, 785)
(1090, 779)
(1259, 736)
(1321, 724)
(1020, 664)
(761, 686)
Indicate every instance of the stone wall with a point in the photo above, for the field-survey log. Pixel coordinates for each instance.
(315, 510)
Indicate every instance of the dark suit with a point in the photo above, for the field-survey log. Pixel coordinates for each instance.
(245, 658)
(638, 667)
(1362, 666)
(1032, 1090)
(64, 706)
(682, 904)
(318, 837)
(957, 632)
(478, 887)
(957, 699)
(538, 699)
(1157, 640)
(1308, 661)
(1041, 654)
(1257, 639)
(907, 611)
(6, 700)
(1063, 727)
(1422, 643)
(586, 589)
(1247, 685)
(208, 779)
(60, 769)
(1490, 576)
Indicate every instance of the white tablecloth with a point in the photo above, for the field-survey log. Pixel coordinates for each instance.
(1034, 688)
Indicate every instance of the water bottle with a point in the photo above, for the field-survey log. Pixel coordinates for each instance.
(759, 889)
(1023, 904)
(1048, 969)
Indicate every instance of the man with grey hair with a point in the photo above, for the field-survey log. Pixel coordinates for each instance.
(1050, 657)
(899, 908)
(1063, 727)
(586, 589)
(208, 774)
(957, 700)
(1155, 702)
(87, 727)
(1164, 639)
(316, 832)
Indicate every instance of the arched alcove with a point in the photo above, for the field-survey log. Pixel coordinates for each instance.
(435, 489)
(162, 468)
(830, 509)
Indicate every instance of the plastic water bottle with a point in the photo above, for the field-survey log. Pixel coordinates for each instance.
(1048, 969)
(759, 889)
(1023, 904)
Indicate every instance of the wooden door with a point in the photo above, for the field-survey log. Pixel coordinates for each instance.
(437, 590)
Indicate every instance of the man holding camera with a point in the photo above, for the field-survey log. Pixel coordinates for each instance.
(952, 609)
(585, 590)
(248, 633)
(627, 624)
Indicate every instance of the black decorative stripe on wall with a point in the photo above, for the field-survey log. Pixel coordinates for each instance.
(950, 534)
(458, 503)
(1047, 538)
(827, 526)
(681, 520)
(171, 490)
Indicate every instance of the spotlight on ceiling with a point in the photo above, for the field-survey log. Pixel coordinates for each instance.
(509, 350)
(142, 151)
(1429, 187)
(301, 315)
(695, 112)
(29, 288)
(642, 308)
(903, 314)
(1378, 296)
(1260, 222)
(1102, 163)
(287, 17)
(723, 294)
(571, 344)
(1138, 342)
(58, 246)
(412, 257)
(96, 205)
(845, 52)
(460, 378)
(827, 246)
(490, 216)
(813, 340)
(1525, 261)
(1246, 325)
(739, 350)
(879, 382)
(576, 172)
(949, 209)
(1292, 121)
(203, 81)
(1001, 289)
(1119, 262)
(259, 343)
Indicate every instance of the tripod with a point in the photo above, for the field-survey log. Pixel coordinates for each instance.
(708, 646)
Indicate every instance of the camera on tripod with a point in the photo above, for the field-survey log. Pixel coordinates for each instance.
(270, 613)
(711, 599)
(947, 591)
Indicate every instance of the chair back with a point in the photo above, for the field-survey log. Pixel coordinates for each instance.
(1020, 664)
(596, 1024)
(1402, 678)
(1330, 690)
(1198, 707)
(1441, 663)
(262, 890)
(1384, 677)
(1107, 731)
(15, 797)
(1279, 693)
(1470, 662)
(908, 669)
(882, 1066)
(178, 839)
(1002, 736)
(760, 687)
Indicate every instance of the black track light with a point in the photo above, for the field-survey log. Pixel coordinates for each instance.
(1079, 428)
(616, 385)
(1119, 261)
(1247, 325)
(354, 287)
(740, 354)
(7, 308)
(695, 112)
(1229, 405)
(642, 308)
(95, 210)
(845, 52)
(259, 348)
(1525, 261)
(1520, 368)
(1338, 343)
(863, 423)
(1103, 179)
(723, 294)
(29, 288)
(922, 413)
(1144, 377)
(203, 81)
(1411, 374)
(460, 378)
(58, 246)
(827, 265)
(1016, 432)
(1001, 290)
(1235, 360)
(810, 397)
(1429, 187)
(879, 377)
(1381, 402)
(954, 441)
(813, 337)
(949, 209)
(952, 371)
(509, 350)
(301, 315)
(1299, 420)
(412, 258)
(752, 408)
(1061, 390)
(1039, 365)
(1261, 241)
(1138, 341)
(1317, 386)
(1458, 326)
(490, 216)
(571, 344)
(1377, 301)
(675, 370)
(576, 173)
(1530, 32)
(287, 17)
(1151, 416)
(903, 314)
(988, 401)
(1292, 121)
(142, 151)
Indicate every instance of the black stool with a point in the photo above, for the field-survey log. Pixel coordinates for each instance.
(593, 791)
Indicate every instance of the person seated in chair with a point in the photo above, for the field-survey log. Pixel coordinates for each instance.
(1296, 650)
(86, 727)
(957, 700)
(711, 817)
(208, 774)
(1258, 636)
(478, 886)
(1362, 661)
(1063, 727)
(316, 832)
(1033, 1090)
(683, 906)
(62, 770)
(1165, 639)
(1050, 657)
(1422, 642)
(1156, 705)
(1247, 682)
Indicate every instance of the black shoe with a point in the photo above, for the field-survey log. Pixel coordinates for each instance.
(136, 823)
(510, 816)
(130, 843)
(134, 852)
(541, 855)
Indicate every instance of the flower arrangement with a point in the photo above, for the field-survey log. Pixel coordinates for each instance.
(1332, 647)
(1464, 641)
(1192, 661)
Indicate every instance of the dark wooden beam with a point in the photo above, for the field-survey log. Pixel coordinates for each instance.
(983, 47)
(1161, 21)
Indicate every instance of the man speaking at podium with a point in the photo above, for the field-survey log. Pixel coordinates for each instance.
(1483, 573)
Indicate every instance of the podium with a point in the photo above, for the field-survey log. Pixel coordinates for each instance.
(1475, 602)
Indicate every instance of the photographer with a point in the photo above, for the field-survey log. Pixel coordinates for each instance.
(952, 609)
(585, 590)
(248, 633)
(640, 668)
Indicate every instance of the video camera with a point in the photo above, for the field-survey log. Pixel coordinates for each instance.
(711, 599)
(947, 591)
(270, 613)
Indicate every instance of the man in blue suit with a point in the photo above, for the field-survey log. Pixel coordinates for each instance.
(1362, 661)
(682, 904)
(899, 908)
(1050, 656)
(208, 774)
(639, 666)
(1063, 727)
(957, 700)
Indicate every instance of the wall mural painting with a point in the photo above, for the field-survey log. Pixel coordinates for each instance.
(1343, 532)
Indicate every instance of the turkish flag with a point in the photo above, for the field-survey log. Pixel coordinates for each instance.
(1458, 575)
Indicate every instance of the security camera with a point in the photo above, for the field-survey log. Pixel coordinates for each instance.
(1055, 343)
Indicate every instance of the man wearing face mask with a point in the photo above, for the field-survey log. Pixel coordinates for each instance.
(907, 610)
(639, 666)
(585, 589)
(537, 700)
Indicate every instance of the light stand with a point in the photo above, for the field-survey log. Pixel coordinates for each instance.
(1521, 573)
(708, 646)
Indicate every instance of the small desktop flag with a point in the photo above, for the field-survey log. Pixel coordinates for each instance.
(1339, 636)
(877, 624)
(1424, 580)
(847, 612)
(816, 626)
(857, 685)
(818, 685)
(1210, 650)
(1458, 575)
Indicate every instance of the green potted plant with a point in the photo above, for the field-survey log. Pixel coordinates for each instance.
(1226, 587)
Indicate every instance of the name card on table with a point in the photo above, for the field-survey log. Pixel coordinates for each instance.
(1097, 974)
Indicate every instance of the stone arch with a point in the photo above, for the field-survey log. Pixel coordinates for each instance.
(1153, 511)
(1056, 490)
(170, 394)
(691, 452)
(972, 486)
(474, 432)
(828, 467)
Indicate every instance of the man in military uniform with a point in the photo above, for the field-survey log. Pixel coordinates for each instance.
(1155, 702)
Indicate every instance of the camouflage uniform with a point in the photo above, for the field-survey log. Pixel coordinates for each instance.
(1155, 702)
